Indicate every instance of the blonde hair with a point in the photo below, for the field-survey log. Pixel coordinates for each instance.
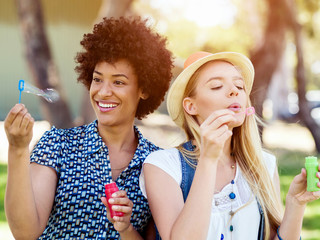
(247, 150)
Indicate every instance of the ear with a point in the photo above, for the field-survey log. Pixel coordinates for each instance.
(144, 96)
(189, 106)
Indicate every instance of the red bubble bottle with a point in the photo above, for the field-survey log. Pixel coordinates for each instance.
(111, 188)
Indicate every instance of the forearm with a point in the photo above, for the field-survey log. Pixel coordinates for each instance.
(20, 205)
(292, 221)
(193, 221)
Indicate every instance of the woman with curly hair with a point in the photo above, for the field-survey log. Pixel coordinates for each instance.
(126, 67)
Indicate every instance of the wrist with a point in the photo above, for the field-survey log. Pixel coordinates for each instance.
(127, 230)
(18, 156)
(294, 202)
(208, 161)
(18, 149)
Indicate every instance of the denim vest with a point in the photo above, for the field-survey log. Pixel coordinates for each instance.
(187, 178)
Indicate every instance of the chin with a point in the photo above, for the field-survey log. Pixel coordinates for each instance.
(236, 124)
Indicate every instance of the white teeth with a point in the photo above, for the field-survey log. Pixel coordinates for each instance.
(107, 105)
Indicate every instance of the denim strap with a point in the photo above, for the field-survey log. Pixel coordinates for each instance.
(187, 171)
(261, 225)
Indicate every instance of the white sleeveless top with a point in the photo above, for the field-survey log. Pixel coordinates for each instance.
(245, 221)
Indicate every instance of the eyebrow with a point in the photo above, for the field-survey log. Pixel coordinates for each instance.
(221, 78)
(238, 78)
(214, 78)
(113, 75)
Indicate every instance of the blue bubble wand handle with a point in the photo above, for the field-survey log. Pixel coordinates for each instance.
(49, 94)
(21, 88)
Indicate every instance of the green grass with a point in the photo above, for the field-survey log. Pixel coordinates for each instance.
(290, 164)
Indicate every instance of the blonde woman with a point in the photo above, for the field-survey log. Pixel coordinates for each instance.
(220, 184)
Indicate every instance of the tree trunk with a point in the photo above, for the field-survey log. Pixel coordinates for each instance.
(304, 108)
(40, 62)
(109, 8)
(279, 90)
(267, 57)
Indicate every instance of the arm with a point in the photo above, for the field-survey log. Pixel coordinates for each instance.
(174, 218)
(296, 201)
(29, 198)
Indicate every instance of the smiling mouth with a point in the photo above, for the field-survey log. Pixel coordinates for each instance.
(107, 105)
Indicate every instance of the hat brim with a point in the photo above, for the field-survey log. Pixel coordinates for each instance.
(177, 89)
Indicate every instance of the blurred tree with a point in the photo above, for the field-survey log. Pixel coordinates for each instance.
(304, 108)
(308, 15)
(282, 16)
(268, 55)
(40, 61)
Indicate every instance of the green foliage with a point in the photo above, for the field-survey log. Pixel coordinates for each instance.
(3, 181)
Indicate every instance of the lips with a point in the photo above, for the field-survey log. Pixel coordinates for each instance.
(236, 107)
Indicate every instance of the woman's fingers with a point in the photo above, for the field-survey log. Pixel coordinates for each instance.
(26, 122)
(104, 201)
(120, 198)
(18, 126)
(12, 116)
(120, 193)
(120, 203)
(122, 208)
(216, 128)
(18, 120)
(218, 118)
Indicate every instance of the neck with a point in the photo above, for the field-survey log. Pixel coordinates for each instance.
(226, 157)
(119, 137)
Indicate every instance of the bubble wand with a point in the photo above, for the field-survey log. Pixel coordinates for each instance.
(248, 111)
(48, 94)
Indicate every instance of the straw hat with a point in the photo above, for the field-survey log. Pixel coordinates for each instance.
(193, 62)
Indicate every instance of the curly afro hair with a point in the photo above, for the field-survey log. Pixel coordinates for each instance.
(130, 39)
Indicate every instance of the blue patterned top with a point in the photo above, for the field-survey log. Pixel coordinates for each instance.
(81, 160)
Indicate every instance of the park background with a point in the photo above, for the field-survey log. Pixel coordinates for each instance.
(275, 34)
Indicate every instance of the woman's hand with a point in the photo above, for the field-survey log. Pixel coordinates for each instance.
(18, 126)
(215, 132)
(120, 203)
(298, 189)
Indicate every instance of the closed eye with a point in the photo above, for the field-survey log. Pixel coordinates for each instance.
(216, 87)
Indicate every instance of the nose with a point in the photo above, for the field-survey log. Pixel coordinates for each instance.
(234, 91)
(105, 90)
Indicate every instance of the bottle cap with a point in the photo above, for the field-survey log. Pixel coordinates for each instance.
(311, 159)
